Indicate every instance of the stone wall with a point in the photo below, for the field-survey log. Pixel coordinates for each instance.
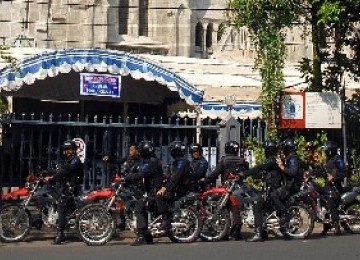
(171, 25)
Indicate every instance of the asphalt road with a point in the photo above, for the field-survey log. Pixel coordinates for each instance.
(346, 247)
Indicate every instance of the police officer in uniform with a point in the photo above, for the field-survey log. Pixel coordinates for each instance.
(292, 177)
(230, 163)
(272, 178)
(335, 173)
(67, 181)
(150, 175)
(199, 166)
(177, 184)
(128, 165)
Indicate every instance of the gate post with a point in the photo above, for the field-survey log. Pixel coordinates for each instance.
(229, 130)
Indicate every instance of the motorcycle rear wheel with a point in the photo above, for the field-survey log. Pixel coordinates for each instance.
(353, 209)
(95, 225)
(14, 223)
(215, 225)
(186, 225)
(301, 223)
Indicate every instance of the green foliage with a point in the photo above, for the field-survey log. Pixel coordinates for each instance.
(335, 21)
(266, 21)
(4, 105)
(4, 55)
(256, 148)
(354, 177)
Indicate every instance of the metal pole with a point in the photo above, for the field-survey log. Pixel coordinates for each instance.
(198, 125)
(343, 127)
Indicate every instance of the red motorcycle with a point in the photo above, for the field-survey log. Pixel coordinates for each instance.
(96, 222)
(21, 192)
(216, 203)
(38, 207)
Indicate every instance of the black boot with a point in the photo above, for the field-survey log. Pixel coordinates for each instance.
(236, 232)
(257, 237)
(264, 234)
(284, 222)
(60, 238)
(336, 226)
(326, 228)
(144, 238)
(166, 223)
(148, 237)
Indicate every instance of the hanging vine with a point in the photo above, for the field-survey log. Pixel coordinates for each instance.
(266, 21)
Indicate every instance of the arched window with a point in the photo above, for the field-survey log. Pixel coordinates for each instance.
(123, 16)
(209, 32)
(143, 17)
(199, 36)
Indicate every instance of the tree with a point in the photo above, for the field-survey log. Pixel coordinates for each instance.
(266, 21)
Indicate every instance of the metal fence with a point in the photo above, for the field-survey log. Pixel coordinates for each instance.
(30, 140)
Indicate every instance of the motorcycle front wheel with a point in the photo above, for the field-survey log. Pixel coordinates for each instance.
(14, 223)
(186, 225)
(216, 225)
(95, 225)
(352, 212)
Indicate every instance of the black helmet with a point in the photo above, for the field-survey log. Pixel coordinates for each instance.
(195, 147)
(177, 149)
(69, 144)
(330, 148)
(232, 147)
(270, 147)
(288, 146)
(146, 149)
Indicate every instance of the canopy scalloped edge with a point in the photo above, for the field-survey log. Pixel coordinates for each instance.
(217, 109)
(50, 64)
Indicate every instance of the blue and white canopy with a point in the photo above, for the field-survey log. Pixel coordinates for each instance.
(50, 64)
(217, 109)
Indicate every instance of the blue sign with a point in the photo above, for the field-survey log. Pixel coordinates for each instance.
(100, 85)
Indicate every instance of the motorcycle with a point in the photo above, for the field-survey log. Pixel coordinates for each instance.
(38, 208)
(349, 205)
(220, 198)
(96, 223)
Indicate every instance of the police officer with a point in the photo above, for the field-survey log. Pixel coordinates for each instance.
(272, 178)
(230, 163)
(67, 181)
(177, 184)
(151, 176)
(199, 165)
(335, 174)
(128, 165)
(292, 177)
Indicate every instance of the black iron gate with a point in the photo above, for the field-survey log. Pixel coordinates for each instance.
(29, 141)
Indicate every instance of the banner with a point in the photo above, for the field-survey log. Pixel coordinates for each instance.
(104, 85)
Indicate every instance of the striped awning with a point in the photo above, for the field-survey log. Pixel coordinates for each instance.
(53, 63)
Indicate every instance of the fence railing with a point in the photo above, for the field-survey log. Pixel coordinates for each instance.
(30, 140)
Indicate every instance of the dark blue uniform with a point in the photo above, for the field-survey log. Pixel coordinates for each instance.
(199, 169)
(67, 181)
(177, 185)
